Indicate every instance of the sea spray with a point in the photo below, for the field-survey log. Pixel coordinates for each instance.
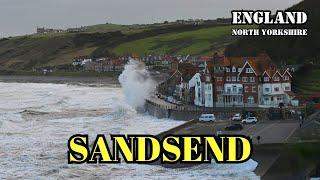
(136, 83)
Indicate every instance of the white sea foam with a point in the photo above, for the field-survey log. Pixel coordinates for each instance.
(136, 83)
(35, 148)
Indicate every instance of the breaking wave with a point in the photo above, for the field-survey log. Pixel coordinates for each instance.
(136, 83)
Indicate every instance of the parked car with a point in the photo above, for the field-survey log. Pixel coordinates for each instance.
(234, 127)
(250, 120)
(179, 103)
(236, 117)
(207, 117)
(170, 99)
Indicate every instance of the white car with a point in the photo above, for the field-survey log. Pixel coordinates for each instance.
(236, 117)
(207, 117)
(250, 120)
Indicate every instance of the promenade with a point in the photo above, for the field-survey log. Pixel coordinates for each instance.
(275, 135)
(271, 132)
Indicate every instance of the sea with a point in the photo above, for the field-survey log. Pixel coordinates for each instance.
(37, 119)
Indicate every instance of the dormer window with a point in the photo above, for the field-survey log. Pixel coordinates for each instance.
(227, 69)
(286, 78)
(249, 70)
(266, 79)
(276, 78)
(234, 69)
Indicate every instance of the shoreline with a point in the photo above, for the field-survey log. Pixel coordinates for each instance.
(74, 80)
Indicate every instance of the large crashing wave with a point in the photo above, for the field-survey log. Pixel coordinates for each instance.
(136, 83)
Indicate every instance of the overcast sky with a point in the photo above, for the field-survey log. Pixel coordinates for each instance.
(23, 16)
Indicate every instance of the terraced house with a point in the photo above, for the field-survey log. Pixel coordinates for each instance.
(242, 82)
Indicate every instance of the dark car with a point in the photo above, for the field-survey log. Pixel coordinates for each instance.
(234, 127)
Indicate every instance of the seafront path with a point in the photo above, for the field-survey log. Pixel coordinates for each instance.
(270, 131)
(274, 134)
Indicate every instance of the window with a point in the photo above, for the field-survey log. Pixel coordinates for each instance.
(219, 79)
(287, 88)
(234, 78)
(228, 89)
(267, 89)
(249, 70)
(234, 89)
(219, 88)
(245, 79)
(252, 79)
(286, 78)
(228, 78)
(276, 89)
(234, 69)
(250, 99)
(240, 89)
(227, 69)
(246, 89)
(276, 78)
(254, 89)
(198, 83)
(266, 79)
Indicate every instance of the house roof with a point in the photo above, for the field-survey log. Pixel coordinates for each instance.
(234, 61)
(259, 63)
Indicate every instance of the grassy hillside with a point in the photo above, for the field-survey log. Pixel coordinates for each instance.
(126, 29)
(198, 42)
(307, 80)
(27, 52)
(290, 49)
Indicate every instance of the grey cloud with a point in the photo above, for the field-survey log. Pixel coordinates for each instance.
(23, 16)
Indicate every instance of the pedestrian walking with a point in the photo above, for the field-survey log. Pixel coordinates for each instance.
(258, 138)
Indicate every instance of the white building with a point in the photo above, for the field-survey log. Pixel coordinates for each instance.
(276, 87)
(198, 87)
(233, 94)
(208, 90)
(202, 83)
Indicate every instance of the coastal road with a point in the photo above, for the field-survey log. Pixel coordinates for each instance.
(269, 131)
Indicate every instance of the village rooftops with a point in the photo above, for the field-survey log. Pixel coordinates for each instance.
(260, 64)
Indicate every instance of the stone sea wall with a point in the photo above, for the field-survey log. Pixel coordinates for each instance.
(188, 113)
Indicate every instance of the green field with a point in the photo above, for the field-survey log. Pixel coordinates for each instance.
(53, 49)
(198, 42)
(126, 29)
(309, 82)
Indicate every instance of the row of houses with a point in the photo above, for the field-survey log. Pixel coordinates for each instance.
(107, 64)
(100, 64)
(43, 30)
(231, 82)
